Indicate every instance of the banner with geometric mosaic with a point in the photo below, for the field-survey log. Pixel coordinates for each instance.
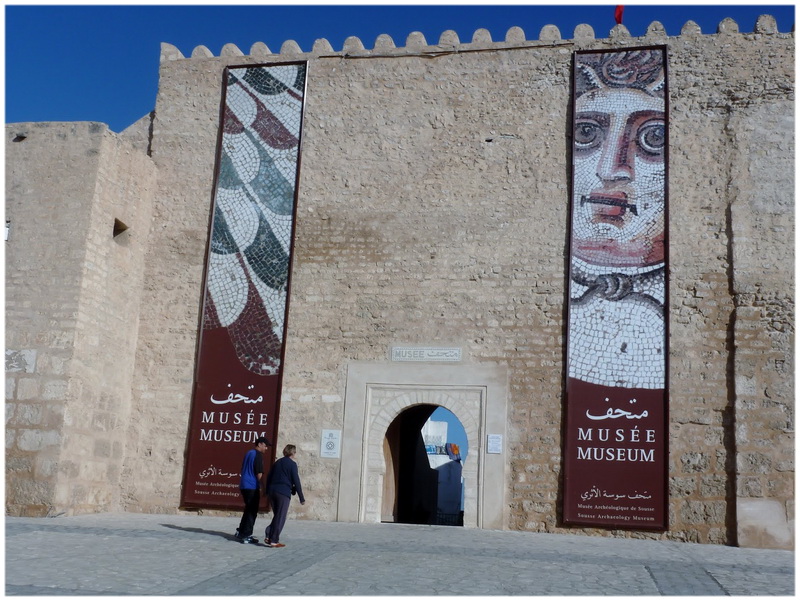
(239, 363)
(615, 439)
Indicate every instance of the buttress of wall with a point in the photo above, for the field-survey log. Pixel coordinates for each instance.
(731, 225)
(50, 173)
(720, 89)
(183, 149)
(763, 288)
(97, 422)
(69, 362)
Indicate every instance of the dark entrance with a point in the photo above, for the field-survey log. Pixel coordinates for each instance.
(411, 486)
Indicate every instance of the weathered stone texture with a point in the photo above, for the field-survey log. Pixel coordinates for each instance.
(61, 254)
(731, 176)
(432, 210)
(183, 148)
(763, 289)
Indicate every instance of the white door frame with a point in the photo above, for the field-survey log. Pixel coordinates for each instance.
(378, 392)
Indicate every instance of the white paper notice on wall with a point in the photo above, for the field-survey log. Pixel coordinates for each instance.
(494, 443)
(331, 444)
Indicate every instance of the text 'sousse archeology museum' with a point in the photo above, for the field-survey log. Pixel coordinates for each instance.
(582, 248)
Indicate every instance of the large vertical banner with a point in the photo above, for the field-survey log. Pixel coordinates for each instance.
(239, 364)
(615, 445)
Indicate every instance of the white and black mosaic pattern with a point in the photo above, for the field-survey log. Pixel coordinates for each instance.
(251, 237)
(617, 334)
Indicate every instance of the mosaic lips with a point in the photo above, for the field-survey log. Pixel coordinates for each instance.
(610, 206)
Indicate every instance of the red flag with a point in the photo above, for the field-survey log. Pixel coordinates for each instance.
(618, 13)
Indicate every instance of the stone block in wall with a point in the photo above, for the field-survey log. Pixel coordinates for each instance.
(38, 440)
(28, 415)
(28, 389)
(763, 523)
(73, 180)
(21, 360)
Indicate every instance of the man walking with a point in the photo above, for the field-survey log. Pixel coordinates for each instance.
(250, 487)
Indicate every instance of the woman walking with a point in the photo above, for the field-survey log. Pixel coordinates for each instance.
(282, 482)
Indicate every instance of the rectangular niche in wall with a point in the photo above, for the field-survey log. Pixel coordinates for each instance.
(239, 363)
(615, 447)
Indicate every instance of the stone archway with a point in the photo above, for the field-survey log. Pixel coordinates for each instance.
(420, 488)
(377, 393)
(410, 485)
(387, 403)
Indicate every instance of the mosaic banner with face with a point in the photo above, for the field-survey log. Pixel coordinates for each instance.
(615, 447)
(238, 377)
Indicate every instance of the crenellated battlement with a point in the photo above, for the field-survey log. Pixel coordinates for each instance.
(449, 41)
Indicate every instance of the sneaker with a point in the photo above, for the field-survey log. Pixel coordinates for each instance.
(249, 540)
(276, 545)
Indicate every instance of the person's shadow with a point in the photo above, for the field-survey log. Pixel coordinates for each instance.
(202, 531)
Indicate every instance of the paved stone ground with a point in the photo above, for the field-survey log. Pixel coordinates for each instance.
(137, 554)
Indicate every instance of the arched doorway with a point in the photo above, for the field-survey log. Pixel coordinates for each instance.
(422, 482)
(410, 484)
(378, 393)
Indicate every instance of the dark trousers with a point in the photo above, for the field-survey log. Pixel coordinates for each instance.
(251, 497)
(280, 507)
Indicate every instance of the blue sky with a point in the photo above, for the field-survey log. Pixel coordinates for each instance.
(100, 63)
(455, 430)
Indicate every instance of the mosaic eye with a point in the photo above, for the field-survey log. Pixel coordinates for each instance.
(652, 137)
(588, 135)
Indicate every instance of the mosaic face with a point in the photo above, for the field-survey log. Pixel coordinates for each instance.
(616, 330)
(615, 436)
(251, 238)
(618, 217)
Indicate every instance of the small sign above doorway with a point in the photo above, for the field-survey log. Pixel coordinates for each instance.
(425, 353)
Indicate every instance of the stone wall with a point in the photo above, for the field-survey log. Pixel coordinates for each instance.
(762, 219)
(183, 148)
(72, 307)
(432, 210)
